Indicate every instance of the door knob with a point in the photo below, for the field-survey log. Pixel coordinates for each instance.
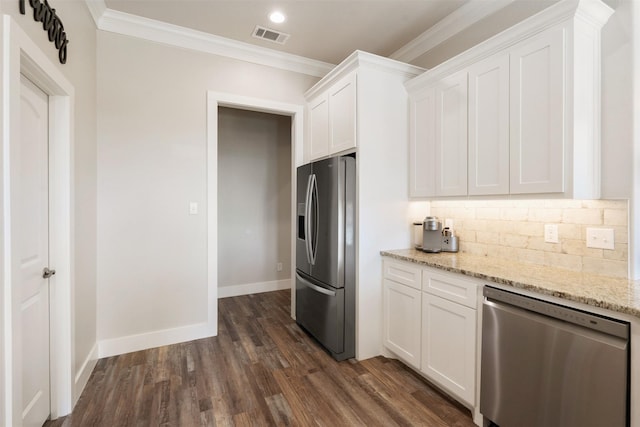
(46, 273)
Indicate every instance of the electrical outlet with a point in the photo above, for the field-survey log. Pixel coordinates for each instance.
(601, 238)
(279, 266)
(551, 233)
(193, 208)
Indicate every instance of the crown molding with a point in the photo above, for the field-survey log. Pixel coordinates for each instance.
(451, 25)
(174, 35)
(593, 12)
(364, 59)
(96, 9)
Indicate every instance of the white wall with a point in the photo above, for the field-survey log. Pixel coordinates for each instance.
(152, 270)
(635, 93)
(254, 197)
(80, 70)
(620, 141)
(617, 104)
(3, 383)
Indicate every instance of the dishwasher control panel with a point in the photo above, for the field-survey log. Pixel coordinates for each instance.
(614, 327)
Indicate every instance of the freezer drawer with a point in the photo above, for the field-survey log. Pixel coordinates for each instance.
(320, 310)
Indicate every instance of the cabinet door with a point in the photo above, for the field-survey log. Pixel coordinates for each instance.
(342, 114)
(451, 135)
(489, 126)
(422, 140)
(449, 346)
(318, 136)
(537, 114)
(401, 318)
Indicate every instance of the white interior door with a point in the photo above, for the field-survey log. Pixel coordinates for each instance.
(32, 234)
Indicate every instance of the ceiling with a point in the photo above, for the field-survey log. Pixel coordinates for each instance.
(324, 30)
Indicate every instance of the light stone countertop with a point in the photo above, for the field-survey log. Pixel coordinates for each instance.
(616, 294)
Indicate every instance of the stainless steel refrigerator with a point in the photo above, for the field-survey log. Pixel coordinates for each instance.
(325, 253)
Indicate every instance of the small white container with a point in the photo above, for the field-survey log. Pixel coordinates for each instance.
(417, 235)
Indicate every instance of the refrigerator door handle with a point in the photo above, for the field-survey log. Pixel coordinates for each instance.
(341, 219)
(307, 219)
(316, 218)
(315, 287)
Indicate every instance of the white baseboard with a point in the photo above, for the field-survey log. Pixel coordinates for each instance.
(83, 374)
(253, 288)
(131, 343)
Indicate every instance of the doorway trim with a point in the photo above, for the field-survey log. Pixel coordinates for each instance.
(220, 99)
(20, 55)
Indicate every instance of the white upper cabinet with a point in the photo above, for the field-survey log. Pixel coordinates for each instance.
(342, 114)
(438, 138)
(451, 135)
(332, 120)
(533, 123)
(537, 111)
(355, 103)
(318, 138)
(422, 143)
(489, 126)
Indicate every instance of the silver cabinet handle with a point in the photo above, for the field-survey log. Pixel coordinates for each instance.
(46, 273)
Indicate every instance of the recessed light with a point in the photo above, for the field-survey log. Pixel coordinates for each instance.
(277, 17)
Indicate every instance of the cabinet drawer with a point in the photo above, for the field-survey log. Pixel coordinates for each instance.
(404, 273)
(450, 287)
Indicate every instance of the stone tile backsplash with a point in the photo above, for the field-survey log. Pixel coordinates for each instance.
(514, 229)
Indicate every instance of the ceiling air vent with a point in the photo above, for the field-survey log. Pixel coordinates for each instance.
(270, 35)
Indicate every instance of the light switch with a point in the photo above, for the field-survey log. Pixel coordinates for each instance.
(602, 238)
(193, 208)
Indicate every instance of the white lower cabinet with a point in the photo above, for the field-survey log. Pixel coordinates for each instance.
(432, 325)
(449, 346)
(402, 299)
(401, 327)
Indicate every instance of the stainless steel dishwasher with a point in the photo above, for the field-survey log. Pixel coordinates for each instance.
(549, 365)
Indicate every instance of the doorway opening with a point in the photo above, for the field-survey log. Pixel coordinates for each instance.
(216, 100)
(254, 202)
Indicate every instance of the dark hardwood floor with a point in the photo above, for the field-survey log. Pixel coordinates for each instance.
(261, 370)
